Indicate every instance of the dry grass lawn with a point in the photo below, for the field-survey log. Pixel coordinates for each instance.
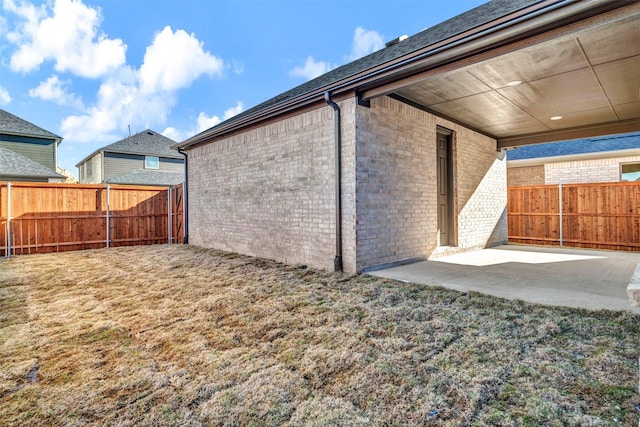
(175, 335)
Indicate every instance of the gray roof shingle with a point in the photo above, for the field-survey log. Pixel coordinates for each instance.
(148, 177)
(147, 142)
(464, 22)
(15, 125)
(578, 146)
(16, 165)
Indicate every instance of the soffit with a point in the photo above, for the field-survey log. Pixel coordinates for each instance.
(589, 77)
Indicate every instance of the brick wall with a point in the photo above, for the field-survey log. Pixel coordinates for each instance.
(596, 170)
(395, 178)
(481, 189)
(396, 184)
(525, 175)
(269, 192)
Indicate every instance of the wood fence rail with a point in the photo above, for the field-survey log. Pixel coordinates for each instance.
(41, 217)
(601, 216)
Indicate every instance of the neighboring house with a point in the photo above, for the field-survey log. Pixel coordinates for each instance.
(145, 158)
(27, 152)
(400, 155)
(613, 158)
(70, 178)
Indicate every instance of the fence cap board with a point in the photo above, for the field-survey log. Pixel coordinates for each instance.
(84, 186)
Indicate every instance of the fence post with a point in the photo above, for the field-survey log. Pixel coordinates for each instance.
(170, 216)
(185, 206)
(8, 220)
(560, 202)
(108, 219)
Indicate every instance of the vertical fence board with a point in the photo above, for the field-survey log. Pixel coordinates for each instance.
(65, 217)
(601, 215)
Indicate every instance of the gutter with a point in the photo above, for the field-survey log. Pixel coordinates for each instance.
(535, 161)
(185, 195)
(521, 24)
(337, 261)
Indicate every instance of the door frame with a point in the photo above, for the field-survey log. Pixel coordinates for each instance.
(451, 218)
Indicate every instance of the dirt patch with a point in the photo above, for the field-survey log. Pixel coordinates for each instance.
(176, 335)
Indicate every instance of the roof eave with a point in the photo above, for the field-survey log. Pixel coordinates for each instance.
(88, 157)
(511, 27)
(57, 139)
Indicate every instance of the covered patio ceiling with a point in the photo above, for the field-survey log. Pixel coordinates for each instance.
(578, 81)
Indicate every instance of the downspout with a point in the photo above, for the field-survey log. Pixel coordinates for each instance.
(185, 239)
(56, 143)
(337, 262)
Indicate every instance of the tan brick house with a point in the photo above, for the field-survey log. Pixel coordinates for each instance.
(613, 158)
(400, 155)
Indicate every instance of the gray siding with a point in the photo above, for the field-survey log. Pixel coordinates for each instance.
(116, 164)
(172, 165)
(39, 150)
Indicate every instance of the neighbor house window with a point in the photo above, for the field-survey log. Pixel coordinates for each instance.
(630, 172)
(151, 162)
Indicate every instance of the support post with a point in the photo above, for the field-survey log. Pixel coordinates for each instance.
(560, 207)
(8, 255)
(170, 216)
(108, 217)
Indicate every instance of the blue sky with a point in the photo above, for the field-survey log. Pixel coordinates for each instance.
(87, 70)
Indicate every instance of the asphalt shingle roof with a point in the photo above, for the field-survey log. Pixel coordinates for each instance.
(578, 146)
(16, 165)
(15, 125)
(147, 142)
(148, 177)
(464, 22)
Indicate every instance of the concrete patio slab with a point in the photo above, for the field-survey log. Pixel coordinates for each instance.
(551, 276)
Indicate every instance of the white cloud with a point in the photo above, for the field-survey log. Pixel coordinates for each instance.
(238, 66)
(119, 104)
(144, 98)
(68, 35)
(364, 43)
(4, 28)
(5, 98)
(312, 69)
(233, 111)
(173, 133)
(203, 122)
(53, 89)
(175, 60)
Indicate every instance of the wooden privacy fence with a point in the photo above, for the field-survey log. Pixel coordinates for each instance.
(602, 216)
(40, 217)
